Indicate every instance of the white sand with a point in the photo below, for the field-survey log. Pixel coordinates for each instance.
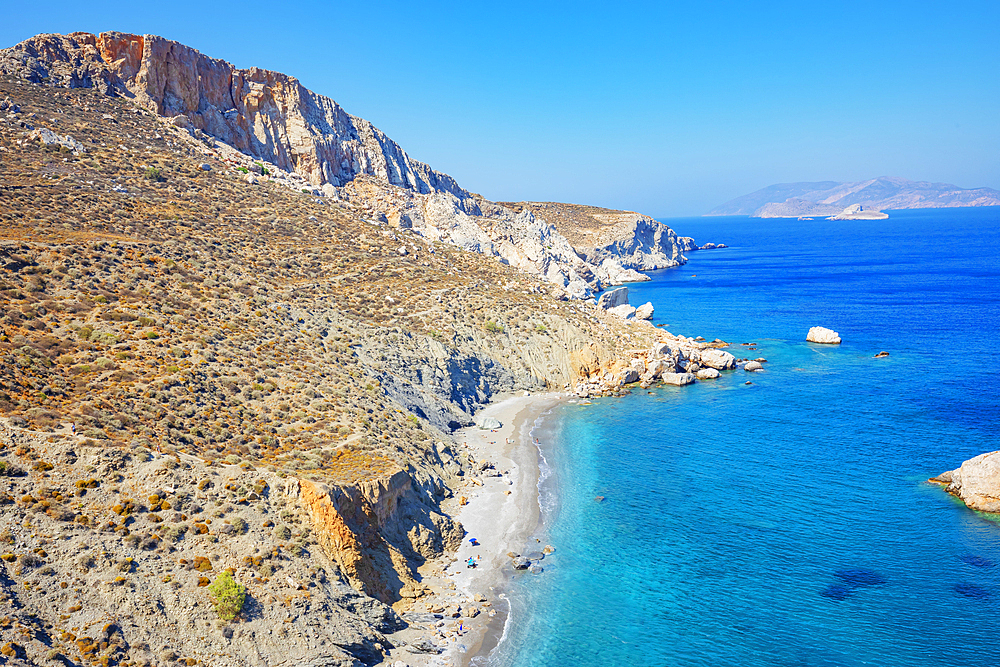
(501, 514)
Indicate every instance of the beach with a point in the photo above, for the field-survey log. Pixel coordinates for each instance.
(500, 510)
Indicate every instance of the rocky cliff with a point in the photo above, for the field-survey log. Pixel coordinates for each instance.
(264, 114)
(308, 139)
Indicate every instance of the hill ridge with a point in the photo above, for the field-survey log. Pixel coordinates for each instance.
(831, 197)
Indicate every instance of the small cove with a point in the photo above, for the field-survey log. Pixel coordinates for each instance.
(787, 521)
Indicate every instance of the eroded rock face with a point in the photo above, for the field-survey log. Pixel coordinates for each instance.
(613, 298)
(377, 531)
(262, 113)
(976, 482)
(823, 335)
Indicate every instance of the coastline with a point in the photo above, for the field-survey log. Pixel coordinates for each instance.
(501, 511)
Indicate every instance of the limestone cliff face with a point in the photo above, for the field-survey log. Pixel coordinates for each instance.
(377, 531)
(262, 113)
(640, 243)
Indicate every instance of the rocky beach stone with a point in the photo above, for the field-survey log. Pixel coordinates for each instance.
(490, 423)
(678, 379)
(644, 312)
(720, 360)
(823, 335)
(753, 366)
(707, 374)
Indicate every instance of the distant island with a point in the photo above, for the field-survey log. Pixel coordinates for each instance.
(830, 198)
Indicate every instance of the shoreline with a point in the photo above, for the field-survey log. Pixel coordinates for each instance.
(501, 510)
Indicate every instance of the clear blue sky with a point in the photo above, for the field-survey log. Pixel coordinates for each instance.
(666, 108)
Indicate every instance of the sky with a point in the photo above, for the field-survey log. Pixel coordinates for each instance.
(664, 108)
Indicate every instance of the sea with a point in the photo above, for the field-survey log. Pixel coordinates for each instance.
(784, 517)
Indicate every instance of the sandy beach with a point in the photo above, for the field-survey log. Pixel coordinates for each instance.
(500, 511)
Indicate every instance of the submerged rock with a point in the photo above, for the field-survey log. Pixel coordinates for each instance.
(976, 561)
(973, 591)
(860, 577)
(836, 592)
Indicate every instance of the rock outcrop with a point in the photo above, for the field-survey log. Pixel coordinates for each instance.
(976, 482)
(264, 114)
(377, 531)
(823, 336)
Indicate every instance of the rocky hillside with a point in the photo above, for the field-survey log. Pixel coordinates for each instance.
(266, 121)
(792, 200)
(208, 369)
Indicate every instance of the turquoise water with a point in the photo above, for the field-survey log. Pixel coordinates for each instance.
(787, 522)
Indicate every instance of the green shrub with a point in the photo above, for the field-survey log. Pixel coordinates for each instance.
(153, 174)
(228, 596)
(494, 327)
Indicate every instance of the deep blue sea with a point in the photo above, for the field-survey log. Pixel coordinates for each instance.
(787, 522)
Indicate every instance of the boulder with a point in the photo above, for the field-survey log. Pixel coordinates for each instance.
(660, 350)
(644, 312)
(720, 360)
(490, 423)
(753, 367)
(977, 482)
(707, 374)
(628, 376)
(623, 311)
(657, 367)
(613, 298)
(521, 563)
(823, 335)
(678, 379)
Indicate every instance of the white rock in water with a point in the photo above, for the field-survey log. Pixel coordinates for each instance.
(717, 359)
(823, 335)
(644, 312)
(977, 482)
(708, 374)
(679, 379)
(753, 366)
(490, 423)
(614, 298)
